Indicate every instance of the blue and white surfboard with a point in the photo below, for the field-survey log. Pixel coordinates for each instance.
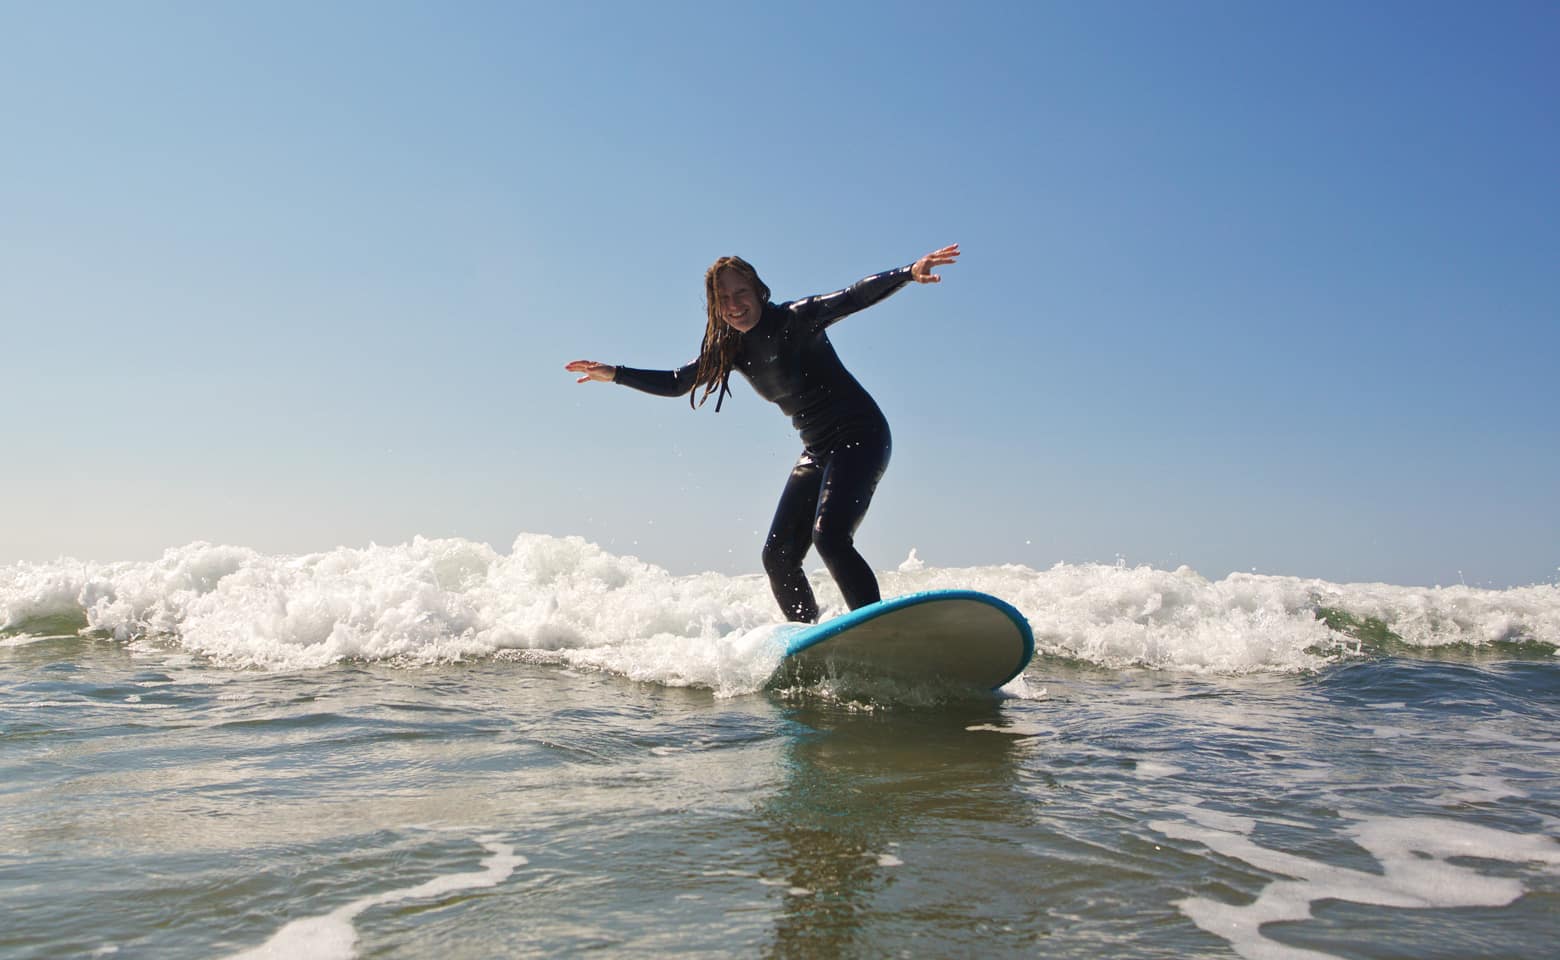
(957, 638)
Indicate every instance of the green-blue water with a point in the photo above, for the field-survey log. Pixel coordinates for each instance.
(156, 806)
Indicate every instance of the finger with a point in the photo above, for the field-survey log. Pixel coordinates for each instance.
(583, 380)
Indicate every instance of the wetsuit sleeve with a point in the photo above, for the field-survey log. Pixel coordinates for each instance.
(662, 383)
(829, 308)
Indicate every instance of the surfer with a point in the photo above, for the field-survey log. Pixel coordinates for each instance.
(785, 354)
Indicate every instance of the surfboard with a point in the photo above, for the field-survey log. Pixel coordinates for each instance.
(959, 638)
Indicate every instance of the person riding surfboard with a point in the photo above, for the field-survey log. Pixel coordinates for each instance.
(784, 352)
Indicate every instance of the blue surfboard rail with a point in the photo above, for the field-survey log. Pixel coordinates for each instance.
(819, 633)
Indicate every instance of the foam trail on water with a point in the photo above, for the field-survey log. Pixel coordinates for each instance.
(567, 600)
(1414, 854)
(332, 936)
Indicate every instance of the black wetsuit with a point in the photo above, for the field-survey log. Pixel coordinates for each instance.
(845, 440)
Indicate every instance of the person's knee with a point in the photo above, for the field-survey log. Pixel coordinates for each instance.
(779, 558)
(832, 542)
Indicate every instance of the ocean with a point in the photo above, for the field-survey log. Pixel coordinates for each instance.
(440, 749)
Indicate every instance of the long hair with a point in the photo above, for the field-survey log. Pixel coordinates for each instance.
(721, 341)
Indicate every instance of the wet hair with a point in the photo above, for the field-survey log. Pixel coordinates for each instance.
(721, 340)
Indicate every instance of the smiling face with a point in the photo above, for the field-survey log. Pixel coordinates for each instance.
(737, 302)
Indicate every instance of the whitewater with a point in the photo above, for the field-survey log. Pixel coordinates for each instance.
(431, 601)
(437, 747)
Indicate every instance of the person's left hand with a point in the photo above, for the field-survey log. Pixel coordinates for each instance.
(921, 270)
(591, 370)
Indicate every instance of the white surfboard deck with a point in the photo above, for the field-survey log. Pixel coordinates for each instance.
(958, 638)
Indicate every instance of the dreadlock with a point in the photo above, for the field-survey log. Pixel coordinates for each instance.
(719, 350)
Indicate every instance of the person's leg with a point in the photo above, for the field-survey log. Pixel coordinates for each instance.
(790, 536)
(850, 477)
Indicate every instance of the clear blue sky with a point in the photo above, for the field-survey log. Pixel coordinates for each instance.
(1245, 286)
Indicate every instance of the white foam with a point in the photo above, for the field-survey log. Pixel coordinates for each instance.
(24, 639)
(1019, 689)
(1154, 770)
(569, 601)
(1415, 873)
(1438, 616)
(333, 936)
(1484, 789)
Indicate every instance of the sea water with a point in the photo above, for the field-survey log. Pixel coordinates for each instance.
(440, 749)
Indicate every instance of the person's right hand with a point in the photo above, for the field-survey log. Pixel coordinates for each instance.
(591, 370)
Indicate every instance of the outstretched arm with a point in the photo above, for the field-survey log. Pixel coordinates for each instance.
(830, 308)
(662, 383)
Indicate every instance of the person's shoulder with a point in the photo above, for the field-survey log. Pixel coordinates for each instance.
(794, 311)
(790, 319)
(777, 315)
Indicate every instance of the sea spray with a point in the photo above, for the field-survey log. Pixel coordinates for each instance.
(568, 600)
